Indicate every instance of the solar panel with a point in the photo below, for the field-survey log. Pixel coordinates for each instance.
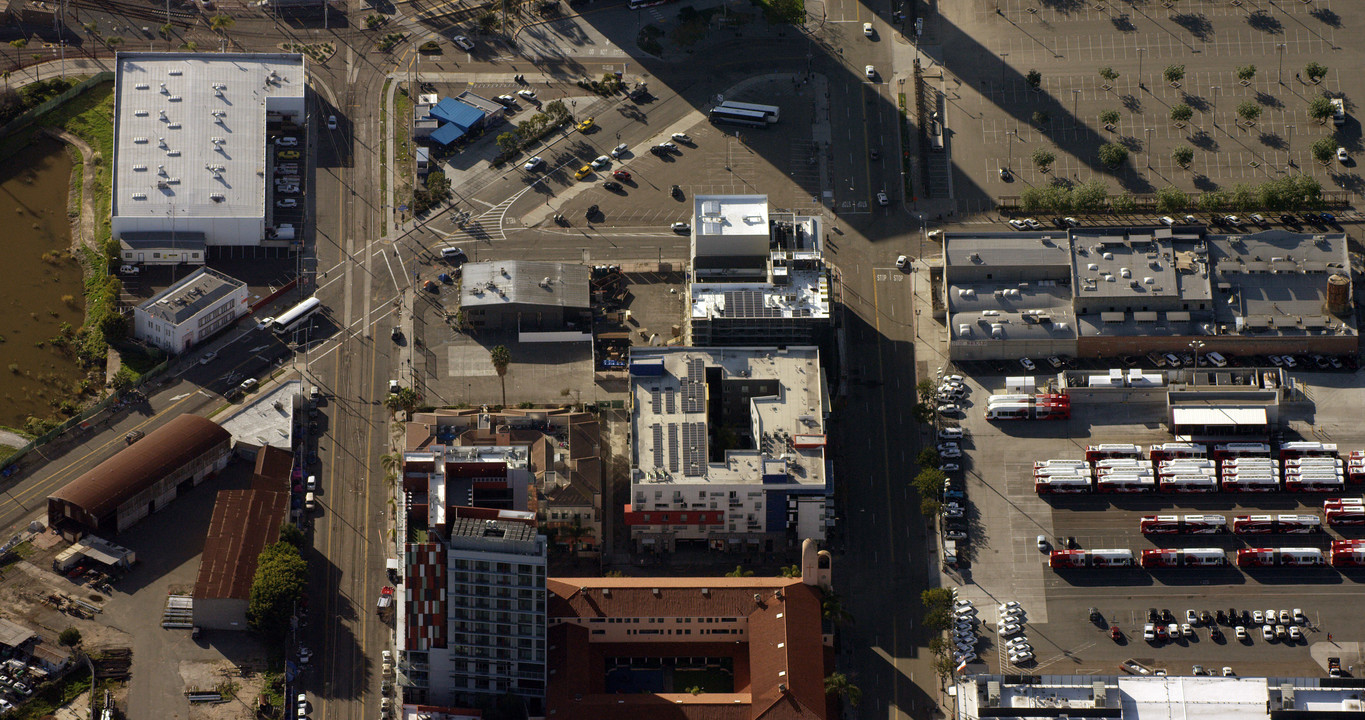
(694, 387)
(672, 400)
(748, 304)
(672, 447)
(694, 449)
(658, 431)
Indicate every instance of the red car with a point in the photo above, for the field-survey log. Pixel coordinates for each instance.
(1115, 633)
(621, 175)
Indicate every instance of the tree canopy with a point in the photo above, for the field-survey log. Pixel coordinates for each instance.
(281, 574)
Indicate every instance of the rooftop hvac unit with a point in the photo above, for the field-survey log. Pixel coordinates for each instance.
(1125, 272)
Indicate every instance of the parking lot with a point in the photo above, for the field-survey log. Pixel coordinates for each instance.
(996, 119)
(1003, 561)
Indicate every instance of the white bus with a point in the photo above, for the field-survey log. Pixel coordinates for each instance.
(296, 316)
(771, 113)
(722, 115)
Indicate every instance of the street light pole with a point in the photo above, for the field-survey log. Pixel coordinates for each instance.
(1196, 346)
(1140, 52)
(1147, 143)
(1009, 163)
(1289, 149)
(1280, 74)
(1215, 90)
(1075, 98)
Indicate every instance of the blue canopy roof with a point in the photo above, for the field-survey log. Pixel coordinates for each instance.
(447, 134)
(453, 111)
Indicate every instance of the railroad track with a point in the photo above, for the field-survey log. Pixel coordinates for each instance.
(141, 11)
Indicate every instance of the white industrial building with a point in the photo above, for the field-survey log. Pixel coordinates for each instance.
(190, 149)
(729, 448)
(190, 311)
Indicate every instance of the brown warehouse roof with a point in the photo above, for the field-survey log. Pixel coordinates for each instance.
(244, 523)
(142, 464)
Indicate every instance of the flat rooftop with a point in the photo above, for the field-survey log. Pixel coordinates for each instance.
(524, 282)
(1152, 697)
(806, 295)
(672, 432)
(1127, 266)
(1276, 282)
(190, 131)
(190, 296)
(268, 419)
(1003, 312)
(731, 214)
(1042, 249)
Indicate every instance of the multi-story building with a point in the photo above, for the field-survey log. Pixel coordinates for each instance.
(473, 621)
(190, 311)
(728, 448)
(563, 462)
(759, 275)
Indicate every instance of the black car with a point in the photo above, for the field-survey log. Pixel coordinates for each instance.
(1288, 219)
(1153, 615)
(1166, 616)
(658, 151)
(591, 212)
(1311, 217)
(612, 185)
(1215, 634)
(1222, 617)
(675, 191)
(1205, 618)
(1059, 222)
(875, 153)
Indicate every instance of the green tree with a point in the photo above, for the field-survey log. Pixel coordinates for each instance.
(929, 507)
(1108, 74)
(1057, 198)
(1243, 197)
(1034, 79)
(70, 637)
(501, 357)
(1213, 200)
(1183, 155)
(1245, 73)
(1324, 149)
(1113, 154)
(281, 574)
(1181, 112)
(838, 685)
(113, 41)
(405, 399)
(832, 606)
(1031, 200)
(1043, 159)
(790, 571)
(19, 43)
(556, 110)
(739, 572)
(928, 457)
(925, 390)
(221, 23)
(166, 30)
(1040, 118)
(938, 645)
(1249, 111)
(508, 142)
(290, 533)
(1173, 73)
(1123, 203)
(1109, 117)
(928, 481)
(1171, 199)
(1314, 71)
(1090, 195)
(1320, 108)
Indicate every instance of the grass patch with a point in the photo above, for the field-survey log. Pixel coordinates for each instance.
(73, 197)
(384, 155)
(692, 25)
(783, 11)
(402, 146)
(648, 40)
(53, 695)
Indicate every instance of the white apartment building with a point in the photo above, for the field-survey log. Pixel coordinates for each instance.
(729, 448)
(190, 311)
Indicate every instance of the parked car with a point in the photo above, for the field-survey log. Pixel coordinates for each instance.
(621, 175)
(331, 122)
(612, 185)
(619, 150)
(586, 124)
(681, 227)
(1027, 364)
(463, 43)
(287, 141)
(528, 94)
(681, 137)
(600, 162)
(533, 163)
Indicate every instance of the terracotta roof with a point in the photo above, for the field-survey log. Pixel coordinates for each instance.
(142, 464)
(784, 658)
(244, 522)
(273, 466)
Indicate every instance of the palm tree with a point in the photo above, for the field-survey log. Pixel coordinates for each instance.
(791, 571)
(838, 685)
(390, 461)
(832, 607)
(501, 357)
(574, 533)
(220, 23)
(739, 571)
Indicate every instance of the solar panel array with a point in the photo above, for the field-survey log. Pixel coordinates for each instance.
(749, 304)
(658, 431)
(672, 447)
(694, 387)
(654, 403)
(694, 449)
(671, 398)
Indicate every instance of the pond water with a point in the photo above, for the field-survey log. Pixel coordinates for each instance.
(42, 288)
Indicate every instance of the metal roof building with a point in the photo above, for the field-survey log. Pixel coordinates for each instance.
(525, 295)
(190, 155)
(140, 479)
(244, 522)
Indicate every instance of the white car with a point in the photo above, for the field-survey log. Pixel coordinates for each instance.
(528, 94)
(1033, 224)
(619, 150)
(600, 162)
(1010, 628)
(463, 43)
(1241, 633)
(963, 605)
(1167, 220)
(950, 454)
(129, 269)
(949, 446)
(1257, 617)
(681, 137)
(1042, 542)
(287, 203)
(1192, 617)
(949, 467)
(1227, 672)
(534, 163)
(1267, 633)
(331, 122)
(965, 657)
(867, 29)
(1027, 364)
(506, 100)
(901, 261)
(1010, 606)
(1018, 224)
(1341, 155)
(1299, 617)
(248, 385)
(1286, 618)
(1022, 657)
(949, 409)
(1295, 633)
(393, 386)
(287, 141)
(681, 227)
(870, 72)
(950, 433)
(955, 379)
(882, 199)
(208, 357)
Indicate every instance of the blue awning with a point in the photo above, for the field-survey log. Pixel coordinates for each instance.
(453, 111)
(447, 134)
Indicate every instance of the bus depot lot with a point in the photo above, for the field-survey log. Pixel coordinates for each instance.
(1005, 562)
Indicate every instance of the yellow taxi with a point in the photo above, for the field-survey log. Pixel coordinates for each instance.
(586, 125)
(583, 172)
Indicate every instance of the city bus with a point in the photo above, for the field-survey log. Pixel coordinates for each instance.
(1250, 483)
(732, 116)
(1125, 484)
(1061, 485)
(771, 113)
(637, 4)
(295, 317)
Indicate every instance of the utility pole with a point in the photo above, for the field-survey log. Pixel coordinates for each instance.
(1215, 90)
(1140, 52)
(1280, 75)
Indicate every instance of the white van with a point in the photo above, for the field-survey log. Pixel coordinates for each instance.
(312, 485)
(1216, 359)
(309, 502)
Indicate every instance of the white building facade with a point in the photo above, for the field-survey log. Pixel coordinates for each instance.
(191, 311)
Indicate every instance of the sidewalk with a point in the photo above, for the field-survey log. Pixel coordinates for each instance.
(57, 68)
